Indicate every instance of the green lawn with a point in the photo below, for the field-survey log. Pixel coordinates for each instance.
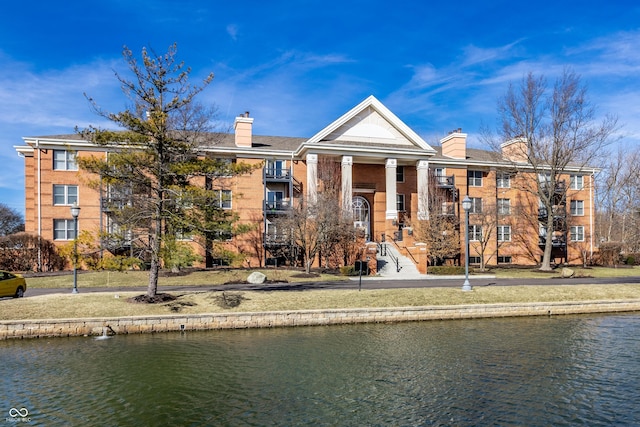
(114, 279)
(217, 277)
(515, 273)
(116, 303)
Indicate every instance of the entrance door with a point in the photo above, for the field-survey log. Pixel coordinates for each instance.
(361, 215)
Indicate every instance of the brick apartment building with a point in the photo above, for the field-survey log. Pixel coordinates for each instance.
(390, 180)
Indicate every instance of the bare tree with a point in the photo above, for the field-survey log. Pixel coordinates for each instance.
(617, 194)
(440, 232)
(10, 221)
(320, 228)
(552, 129)
(488, 219)
(527, 226)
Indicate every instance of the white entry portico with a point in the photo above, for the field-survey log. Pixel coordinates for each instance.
(373, 148)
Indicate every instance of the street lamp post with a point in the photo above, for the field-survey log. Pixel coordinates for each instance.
(466, 205)
(75, 212)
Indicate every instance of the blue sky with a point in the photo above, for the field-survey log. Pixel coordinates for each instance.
(297, 66)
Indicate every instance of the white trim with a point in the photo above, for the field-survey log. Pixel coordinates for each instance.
(376, 105)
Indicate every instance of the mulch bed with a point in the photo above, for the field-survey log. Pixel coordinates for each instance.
(157, 299)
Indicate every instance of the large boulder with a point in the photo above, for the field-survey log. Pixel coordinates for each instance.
(256, 278)
(567, 272)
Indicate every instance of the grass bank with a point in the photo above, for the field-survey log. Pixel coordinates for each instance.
(110, 304)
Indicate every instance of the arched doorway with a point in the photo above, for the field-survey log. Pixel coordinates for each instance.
(362, 215)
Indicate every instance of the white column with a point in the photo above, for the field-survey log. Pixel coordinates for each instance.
(391, 178)
(422, 168)
(347, 186)
(312, 178)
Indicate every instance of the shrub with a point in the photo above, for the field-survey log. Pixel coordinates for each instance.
(610, 253)
(349, 270)
(27, 252)
(446, 270)
(119, 263)
(177, 255)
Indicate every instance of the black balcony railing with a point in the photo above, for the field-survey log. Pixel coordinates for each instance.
(110, 204)
(558, 212)
(277, 206)
(448, 209)
(277, 174)
(276, 239)
(559, 188)
(556, 242)
(445, 181)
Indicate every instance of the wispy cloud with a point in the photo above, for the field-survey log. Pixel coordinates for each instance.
(285, 92)
(232, 31)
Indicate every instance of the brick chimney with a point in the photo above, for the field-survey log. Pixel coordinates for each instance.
(515, 150)
(242, 127)
(454, 145)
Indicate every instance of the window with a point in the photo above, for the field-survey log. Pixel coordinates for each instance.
(504, 260)
(222, 235)
(474, 178)
(576, 182)
(400, 202)
(577, 207)
(475, 233)
(64, 160)
(504, 233)
(184, 200)
(184, 235)
(276, 169)
(504, 206)
(474, 260)
(544, 178)
(65, 194)
(64, 229)
(476, 205)
(440, 175)
(503, 180)
(275, 200)
(400, 174)
(577, 233)
(223, 199)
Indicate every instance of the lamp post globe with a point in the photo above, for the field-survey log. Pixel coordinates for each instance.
(466, 206)
(75, 212)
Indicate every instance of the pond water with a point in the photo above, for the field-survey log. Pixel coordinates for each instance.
(526, 371)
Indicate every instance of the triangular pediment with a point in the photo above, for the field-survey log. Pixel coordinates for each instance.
(373, 123)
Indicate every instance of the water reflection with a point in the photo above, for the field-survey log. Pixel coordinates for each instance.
(529, 371)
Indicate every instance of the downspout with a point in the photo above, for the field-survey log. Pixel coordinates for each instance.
(592, 201)
(39, 202)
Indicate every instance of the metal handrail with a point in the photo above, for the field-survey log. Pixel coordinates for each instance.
(390, 255)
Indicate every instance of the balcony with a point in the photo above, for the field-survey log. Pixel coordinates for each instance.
(448, 209)
(112, 204)
(557, 211)
(277, 206)
(559, 189)
(556, 241)
(277, 174)
(445, 181)
(271, 240)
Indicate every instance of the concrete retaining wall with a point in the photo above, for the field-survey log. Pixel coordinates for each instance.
(192, 322)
